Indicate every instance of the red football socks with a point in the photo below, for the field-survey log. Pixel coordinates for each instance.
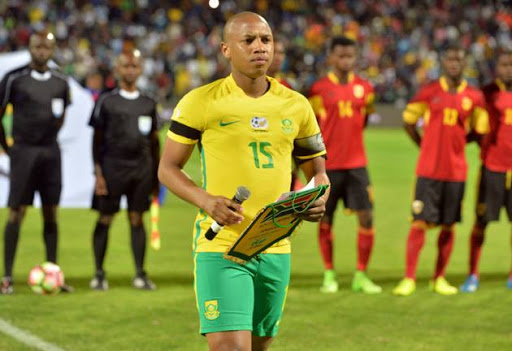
(364, 247)
(415, 242)
(444, 245)
(475, 246)
(325, 240)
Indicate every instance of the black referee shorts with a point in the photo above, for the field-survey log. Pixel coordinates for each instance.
(125, 179)
(438, 201)
(35, 168)
(353, 187)
(494, 192)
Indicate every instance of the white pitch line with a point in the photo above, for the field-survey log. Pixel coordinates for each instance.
(26, 338)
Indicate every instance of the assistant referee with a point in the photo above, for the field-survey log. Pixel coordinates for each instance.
(39, 96)
(126, 154)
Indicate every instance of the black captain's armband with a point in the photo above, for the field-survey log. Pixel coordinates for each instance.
(184, 131)
(310, 146)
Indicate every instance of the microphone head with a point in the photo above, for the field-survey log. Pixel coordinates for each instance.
(242, 193)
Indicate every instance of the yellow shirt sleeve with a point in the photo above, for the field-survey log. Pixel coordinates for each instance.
(413, 111)
(480, 120)
(308, 143)
(188, 120)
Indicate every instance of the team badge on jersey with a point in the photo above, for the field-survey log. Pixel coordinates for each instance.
(417, 207)
(287, 126)
(259, 123)
(358, 91)
(466, 103)
(211, 310)
(145, 124)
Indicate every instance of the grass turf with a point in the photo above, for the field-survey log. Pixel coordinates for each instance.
(166, 319)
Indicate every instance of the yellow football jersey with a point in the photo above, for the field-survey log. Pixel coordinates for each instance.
(245, 141)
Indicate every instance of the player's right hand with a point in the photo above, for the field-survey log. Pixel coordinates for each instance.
(223, 210)
(100, 186)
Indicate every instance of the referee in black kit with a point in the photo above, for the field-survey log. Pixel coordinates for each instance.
(126, 154)
(39, 96)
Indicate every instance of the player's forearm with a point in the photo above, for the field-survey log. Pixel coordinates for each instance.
(178, 182)
(97, 144)
(315, 168)
(412, 131)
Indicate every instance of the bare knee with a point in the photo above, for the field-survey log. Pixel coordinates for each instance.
(261, 343)
(239, 340)
(326, 219)
(16, 215)
(448, 227)
(365, 218)
(105, 219)
(135, 218)
(49, 213)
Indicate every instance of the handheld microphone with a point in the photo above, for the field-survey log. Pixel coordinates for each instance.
(242, 194)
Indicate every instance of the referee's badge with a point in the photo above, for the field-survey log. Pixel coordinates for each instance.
(58, 107)
(145, 124)
(358, 91)
(211, 310)
(417, 207)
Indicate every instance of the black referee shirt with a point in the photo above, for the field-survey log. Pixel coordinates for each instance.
(127, 120)
(37, 100)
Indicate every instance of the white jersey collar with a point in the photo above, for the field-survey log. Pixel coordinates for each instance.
(130, 95)
(40, 76)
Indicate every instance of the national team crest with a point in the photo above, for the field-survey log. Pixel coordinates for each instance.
(287, 126)
(358, 91)
(259, 123)
(466, 103)
(211, 309)
(417, 207)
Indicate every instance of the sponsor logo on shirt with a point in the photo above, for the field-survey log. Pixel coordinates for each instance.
(259, 123)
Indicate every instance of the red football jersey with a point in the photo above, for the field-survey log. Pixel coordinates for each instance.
(448, 117)
(341, 110)
(497, 145)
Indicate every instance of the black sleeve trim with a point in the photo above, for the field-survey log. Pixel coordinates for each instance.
(299, 162)
(184, 131)
(308, 146)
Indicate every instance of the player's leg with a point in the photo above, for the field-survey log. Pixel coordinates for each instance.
(425, 211)
(270, 286)
(11, 236)
(325, 232)
(359, 198)
(508, 206)
(230, 340)
(488, 206)
(21, 194)
(138, 203)
(138, 244)
(225, 300)
(50, 232)
(49, 185)
(99, 246)
(451, 206)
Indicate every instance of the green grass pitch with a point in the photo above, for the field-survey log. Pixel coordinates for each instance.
(125, 319)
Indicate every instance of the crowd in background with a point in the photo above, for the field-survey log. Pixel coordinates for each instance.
(399, 39)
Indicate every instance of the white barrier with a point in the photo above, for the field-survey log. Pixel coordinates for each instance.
(75, 140)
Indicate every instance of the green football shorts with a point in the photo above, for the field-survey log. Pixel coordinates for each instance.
(231, 296)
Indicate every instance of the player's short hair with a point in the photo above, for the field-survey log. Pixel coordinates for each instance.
(452, 46)
(341, 41)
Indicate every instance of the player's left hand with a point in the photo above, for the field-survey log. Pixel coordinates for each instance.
(315, 212)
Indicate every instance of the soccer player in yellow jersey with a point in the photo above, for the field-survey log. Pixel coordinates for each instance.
(247, 126)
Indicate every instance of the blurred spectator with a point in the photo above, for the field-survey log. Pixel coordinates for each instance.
(179, 39)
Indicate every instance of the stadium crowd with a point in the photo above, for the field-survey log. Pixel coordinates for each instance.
(180, 39)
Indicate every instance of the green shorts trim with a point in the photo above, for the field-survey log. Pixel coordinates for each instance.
(231, 296)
